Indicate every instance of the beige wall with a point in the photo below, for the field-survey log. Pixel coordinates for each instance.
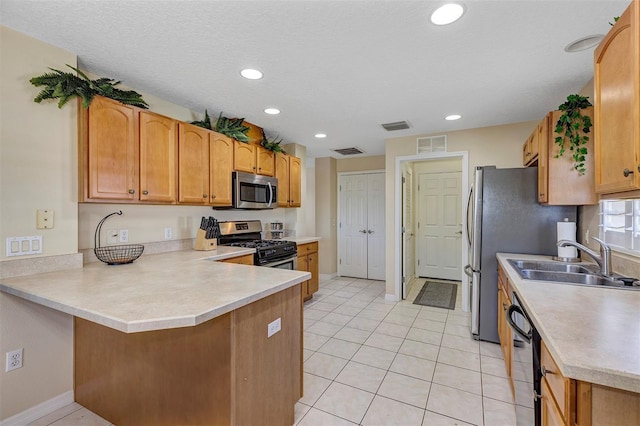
(498, 145)
(37, 171)
(327, 214)
(360, 164)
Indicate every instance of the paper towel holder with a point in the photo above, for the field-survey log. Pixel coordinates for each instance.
(566, 259)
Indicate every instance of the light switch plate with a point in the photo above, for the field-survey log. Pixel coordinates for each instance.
(21, 246)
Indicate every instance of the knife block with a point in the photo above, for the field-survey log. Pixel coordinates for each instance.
(203, 243)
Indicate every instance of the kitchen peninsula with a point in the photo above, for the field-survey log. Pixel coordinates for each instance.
(177, 338)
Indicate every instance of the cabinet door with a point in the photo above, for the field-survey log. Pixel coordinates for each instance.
(265, 161)
(312, 262)
(617, 105)
(221, 165)
(112, 144)
(295, 185)
(303, 265)
(244, 159)
(158, 157)
(193, 164)
(550, 414)
(246, 259)
(282, 174)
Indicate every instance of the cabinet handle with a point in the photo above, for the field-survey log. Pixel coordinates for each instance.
(537, 396)
(504, 306)
(145, 192)
(639, 167)
(213, 196)
(204, 195)
(132, 191)
(544, 371)
(627, 172)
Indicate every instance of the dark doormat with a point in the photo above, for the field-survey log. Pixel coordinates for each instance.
(438, 295)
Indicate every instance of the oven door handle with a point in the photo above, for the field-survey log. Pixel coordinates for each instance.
(270, 194)
(515, 308)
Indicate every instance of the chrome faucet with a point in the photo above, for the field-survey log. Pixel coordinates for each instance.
(603, 259)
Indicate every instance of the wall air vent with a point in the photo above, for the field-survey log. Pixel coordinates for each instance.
(398, 125)
(349, 151)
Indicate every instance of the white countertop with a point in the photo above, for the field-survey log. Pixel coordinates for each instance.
(303, 240)
(592, 333)
(157, 291)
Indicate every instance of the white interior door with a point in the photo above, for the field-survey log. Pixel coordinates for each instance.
(361, 245)
(353, 226)
(408, 240)
(376, 247)
(439, 225)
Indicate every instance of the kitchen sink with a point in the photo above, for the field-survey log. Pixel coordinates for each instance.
(553, 266)
(567, 273)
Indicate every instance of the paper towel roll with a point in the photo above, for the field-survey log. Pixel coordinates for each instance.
(567, 231)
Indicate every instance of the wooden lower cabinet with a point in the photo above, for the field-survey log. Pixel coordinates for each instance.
(308, 262)
(225, 371)
(505, 334)
(246, 259)
(551, 416)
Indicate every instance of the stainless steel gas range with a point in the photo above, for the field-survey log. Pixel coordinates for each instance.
(270, 253)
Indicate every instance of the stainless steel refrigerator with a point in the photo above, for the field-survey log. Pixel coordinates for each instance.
(504, 216)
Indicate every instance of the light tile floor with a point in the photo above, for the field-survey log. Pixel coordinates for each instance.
(373, 362)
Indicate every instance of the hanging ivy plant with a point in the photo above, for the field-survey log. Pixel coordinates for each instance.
(65, 86)
(574, 128)
(232, 127)
(273, 144)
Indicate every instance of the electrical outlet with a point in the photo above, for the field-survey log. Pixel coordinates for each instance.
(274, 327)
(124, 235)
(14, 360)
(168, 233)
(112, 236)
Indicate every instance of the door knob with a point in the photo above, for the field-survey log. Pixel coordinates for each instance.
(370, 231)
(362, 231)
(459, 232)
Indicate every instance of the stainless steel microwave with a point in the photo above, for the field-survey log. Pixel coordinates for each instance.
(254, 191)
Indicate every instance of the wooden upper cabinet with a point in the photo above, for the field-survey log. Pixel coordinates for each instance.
(265, 161)
(295, 185)
(558, 182)
(288, 173)
(617, 106)
(221, 167)
(108, 151)
(193, 164)
(282, 174)
(158, 157)
(244, 157)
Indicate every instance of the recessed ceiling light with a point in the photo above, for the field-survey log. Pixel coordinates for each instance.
(453, 117)
(272, 111)
(251, 74)
(584, 43)
(320, 135)
(447, 14)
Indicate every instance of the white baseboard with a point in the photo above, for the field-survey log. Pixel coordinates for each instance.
(326, 277)
(40, 410)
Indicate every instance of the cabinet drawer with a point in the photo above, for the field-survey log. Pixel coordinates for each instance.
(308, 248)
(560, 387)
(550, 414)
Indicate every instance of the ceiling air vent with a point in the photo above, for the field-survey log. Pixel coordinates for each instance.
(398, 125)
(349, 151)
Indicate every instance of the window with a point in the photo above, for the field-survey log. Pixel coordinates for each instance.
(620, 224)
(432, 144)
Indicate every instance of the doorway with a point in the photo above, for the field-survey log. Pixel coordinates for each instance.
(456, 243)
(439, 224)
(361, 225)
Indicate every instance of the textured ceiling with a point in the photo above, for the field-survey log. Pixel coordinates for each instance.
(336, 67)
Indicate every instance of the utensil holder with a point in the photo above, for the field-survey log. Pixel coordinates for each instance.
(203, 243)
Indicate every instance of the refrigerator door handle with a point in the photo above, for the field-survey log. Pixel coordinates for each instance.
(469, 222)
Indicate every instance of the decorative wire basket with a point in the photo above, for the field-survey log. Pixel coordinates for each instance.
(115, 255)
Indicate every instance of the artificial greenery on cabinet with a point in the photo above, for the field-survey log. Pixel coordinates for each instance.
(65, 86)
(272, 144)
(232, 127)
(573, 128)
